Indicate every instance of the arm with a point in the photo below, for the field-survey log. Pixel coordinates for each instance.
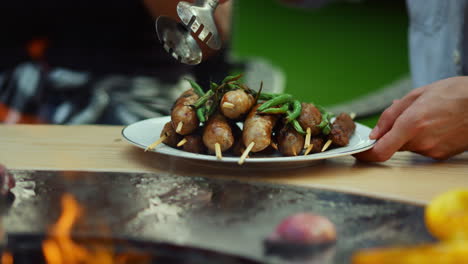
(431, 120)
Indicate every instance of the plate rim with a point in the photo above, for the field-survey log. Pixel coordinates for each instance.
(204, 157)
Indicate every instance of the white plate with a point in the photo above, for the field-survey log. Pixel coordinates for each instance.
(143, 133)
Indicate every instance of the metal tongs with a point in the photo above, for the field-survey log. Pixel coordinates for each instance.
(185, 40)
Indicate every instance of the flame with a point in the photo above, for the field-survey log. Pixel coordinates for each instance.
(60, 248)
(7, 258)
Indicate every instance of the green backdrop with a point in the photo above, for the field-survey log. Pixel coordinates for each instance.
(331, 54)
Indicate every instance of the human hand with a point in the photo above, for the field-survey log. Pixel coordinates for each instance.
(431, 120)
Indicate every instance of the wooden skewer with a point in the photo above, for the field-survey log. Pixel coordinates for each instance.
(309, 149)
(352, 115)
(307, 139)
(325, 147)
(274, 145)
(156, 143)
(219, 154)
(182, 142)
(179, 127)
(246, 152)
(228, 105)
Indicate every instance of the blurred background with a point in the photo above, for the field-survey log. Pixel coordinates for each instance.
(332, 54)
(95, 63)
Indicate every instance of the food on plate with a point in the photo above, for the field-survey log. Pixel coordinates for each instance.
(290, 142)
(168, 136)
(257, 130)
(183, 115)
(217, 135)
(271, 124)
(317, 144)
(236, 103)
(194, 144)
(342, 128)
(7, 181)
(310, 117)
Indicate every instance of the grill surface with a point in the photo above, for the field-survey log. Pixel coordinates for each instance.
(220, 215)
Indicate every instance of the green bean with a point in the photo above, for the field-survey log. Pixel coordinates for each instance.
(326, 130)
(325, 125)
(267, 96)
(257, 95)
(198, 90)
(233, 86)
(213, 86)
(232, 78)
(201, 114)
(281, 99)
(297, 108)
(298, 127)
(326, 119)
(276, 110)
(210, 108)
(203, 99)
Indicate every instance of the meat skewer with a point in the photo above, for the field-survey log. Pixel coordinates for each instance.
(310, 118)
(227, 105)
(316, 145)
(327, 145)
(308, 149)
(183, 115)
(274, 145)
(307, 139)
(168, 136)
(258, 129)
(305, 127)
(217, 135)
(246, 152)
(290, 142)
(182, 142)
(236, 103)
(156, 143)
(342, 129)
(194, 144)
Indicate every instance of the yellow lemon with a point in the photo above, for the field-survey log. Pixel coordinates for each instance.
(455, 252)
(447, 216)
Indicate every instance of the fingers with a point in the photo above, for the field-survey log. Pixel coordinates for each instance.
(401, 132)
(223, 19)
(367, 156)
(388, 117)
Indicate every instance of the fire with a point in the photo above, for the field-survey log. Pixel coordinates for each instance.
(7, 258)
(60, 248)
